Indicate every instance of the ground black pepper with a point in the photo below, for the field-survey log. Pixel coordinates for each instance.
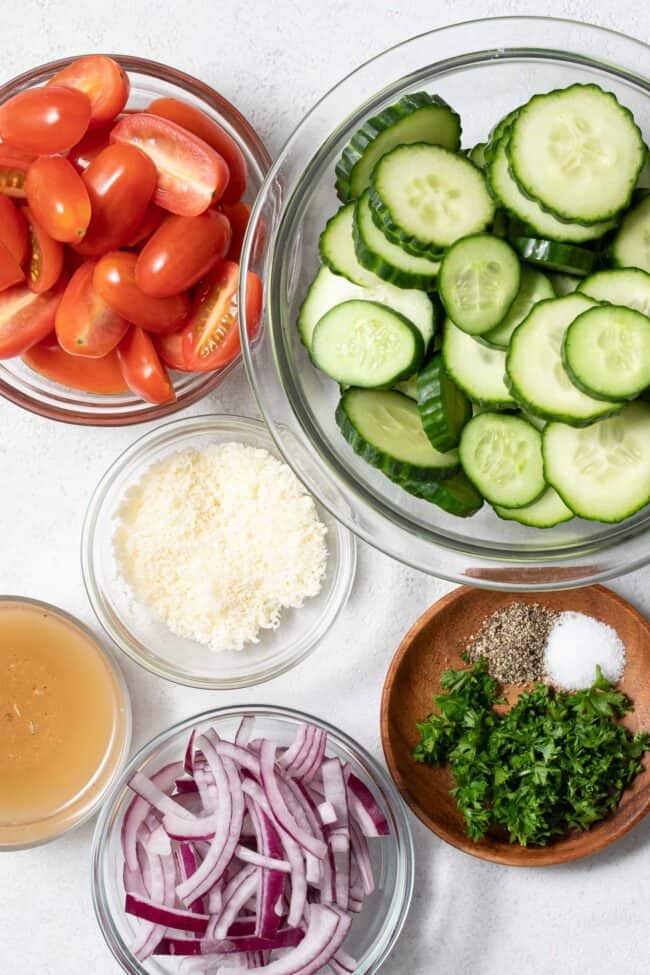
(512, 641)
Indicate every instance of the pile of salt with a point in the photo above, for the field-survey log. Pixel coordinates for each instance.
(576, 645)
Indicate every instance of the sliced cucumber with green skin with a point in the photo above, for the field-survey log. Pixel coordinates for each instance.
(547, 511)
(622, 286)
(477, 155)
(553, 256)
(387, 260)
(532, 218)
(534, 287)
(606, 352)
(500, 224)
(328, 290)
(578, 152)
(643, 179)
(502, 457)
(337, 250)
(426, 198)
(497, 133)
(456, 495)
(384, 428)
(631, 246)
(564, 284)
(536, 375)
(419, 117)
(409, 387)
(478, 282)
(365, 344)
(476, 369)
(602, 472)
(444, 408)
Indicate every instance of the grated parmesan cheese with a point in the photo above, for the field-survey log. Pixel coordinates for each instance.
(218, 542)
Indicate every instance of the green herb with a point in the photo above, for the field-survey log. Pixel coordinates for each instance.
(554, 763)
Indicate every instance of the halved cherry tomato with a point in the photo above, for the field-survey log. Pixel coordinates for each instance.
(114, 279)
(152, 219)
(238, 214)
(85, 324)
(45, 120)
(46, 256)
(13, 170)
(120, 181)
(13, 230)
(170, 349)
(102, 376)
(94, 141)
(142, 369)
(102, 80)
(58, 198)
(10, 270)
(181, 252)
(197, 122)
(25, 318)
(211, 336)
(191, 175)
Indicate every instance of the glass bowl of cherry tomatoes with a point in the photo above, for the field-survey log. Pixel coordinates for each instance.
(125, 191)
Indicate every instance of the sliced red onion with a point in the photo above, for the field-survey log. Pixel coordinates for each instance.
(361, 858)
(364, 807)
(326, 930)
(207, 789)
(148, 790)
(344, 961)
(185, 786)
(271, 883)
(259, 860)
(170, 917)
(187, 862)
(313, 760)
(288, 938)
(296, 749)
(188, 763)
(233, 903)
(140, 808)
(245, 730)
(276, 801)
(327, 813)
(151, 935)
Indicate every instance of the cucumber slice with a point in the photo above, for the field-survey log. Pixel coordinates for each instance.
(414, 118)
(606, 352)
(534, 287)
(328, 290)
(478, 282)
(537, 377)
(629, 287)
(477, 155)
(534, 219)
(547, 511)
(502, 457)
(602, 472)
(578, 152)
(456, 495)
(363, 343)
(384, 428)
(444, 409)
(387, 260)
(476, 369)
(497, 133)
(553, 256)
(631, 246)
(426, 198)
(564, 284)
(337, 251)
(643, 179)
(409, 387)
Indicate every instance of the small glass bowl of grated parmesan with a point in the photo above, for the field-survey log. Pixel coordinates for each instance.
(206, 560)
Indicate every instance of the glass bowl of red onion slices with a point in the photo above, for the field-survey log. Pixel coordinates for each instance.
(257, 838)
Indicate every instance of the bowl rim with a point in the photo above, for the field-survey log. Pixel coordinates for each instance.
(205, 383)
(403, 840)
(172, 433)
(471, 562)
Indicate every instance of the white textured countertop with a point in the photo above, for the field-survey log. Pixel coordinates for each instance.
(273, 60)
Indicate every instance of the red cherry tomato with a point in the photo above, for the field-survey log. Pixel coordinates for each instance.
(211, 336)
(191, 175)
(238, 214)
(142, 369)
(197, 122)
(25, 318)
(182, 251)
(120, 181)
(13, 170)
(85, 324)
(170, 349)
(152, 219)
(10, 270)
(46, 120)
(102, 376)
(58, 198)
(13, 230)
(46, 256)
(94, 141)
(102, 80)
(114, 279)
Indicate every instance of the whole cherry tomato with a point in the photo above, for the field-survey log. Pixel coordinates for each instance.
(58, 198)
(170, 349)
(142, 369)
(14, 233)
(102, 376)
(85, 324)
(191, 175)
(238, 214)
(211, 336)
(46, 256)
(114, 279)
(182, 251)
(197, 122)
(10, 270)
(46, 120)
(25, 318)
(152, 219)
(120, 181)
(102, 80)
(13, 170)
(94, 141)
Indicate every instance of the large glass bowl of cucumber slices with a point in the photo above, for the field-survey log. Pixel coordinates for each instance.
(455, 245)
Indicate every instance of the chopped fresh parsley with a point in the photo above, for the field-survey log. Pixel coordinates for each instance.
(554, 763)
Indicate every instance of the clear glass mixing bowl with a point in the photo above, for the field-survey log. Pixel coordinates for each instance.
(484, 69)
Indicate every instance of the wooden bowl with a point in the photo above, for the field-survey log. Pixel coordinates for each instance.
(433, 644)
